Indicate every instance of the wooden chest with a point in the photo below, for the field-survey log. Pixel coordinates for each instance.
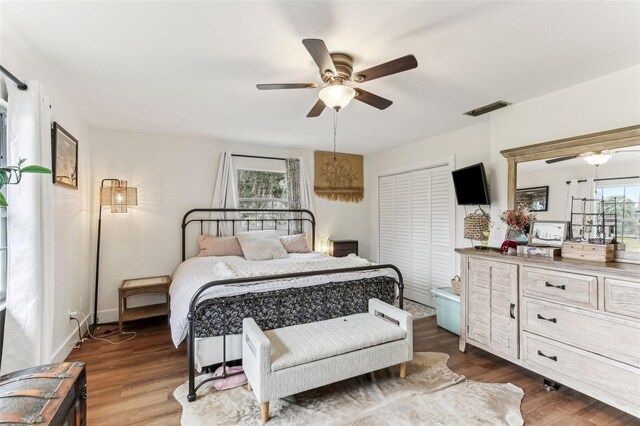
(585, 251)
(53, 394)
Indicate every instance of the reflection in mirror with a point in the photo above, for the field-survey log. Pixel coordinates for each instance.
(616, 182)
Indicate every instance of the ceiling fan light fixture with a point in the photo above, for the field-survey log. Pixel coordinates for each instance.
(596, 159)
(337, 96)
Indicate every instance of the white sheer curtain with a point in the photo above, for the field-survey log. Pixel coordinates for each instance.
(225, 195)
(578, 190)
(29, 317)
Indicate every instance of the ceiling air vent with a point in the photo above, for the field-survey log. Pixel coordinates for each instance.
(487, 108)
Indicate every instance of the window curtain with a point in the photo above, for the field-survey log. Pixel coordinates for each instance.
(29, 316)
(225, 195)
(579, 189)
(299, 192)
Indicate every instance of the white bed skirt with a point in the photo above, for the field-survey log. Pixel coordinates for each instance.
(209, 350)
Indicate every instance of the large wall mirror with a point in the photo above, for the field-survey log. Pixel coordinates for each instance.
(553, 177)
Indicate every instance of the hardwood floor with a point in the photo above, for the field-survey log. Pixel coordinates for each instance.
(133, 383)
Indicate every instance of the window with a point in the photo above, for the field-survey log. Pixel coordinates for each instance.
(626, 195)
(3, 210)
(262, 189)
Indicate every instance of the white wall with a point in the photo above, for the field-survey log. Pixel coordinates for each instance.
(608, 102)
(71, 209)
(174, 174)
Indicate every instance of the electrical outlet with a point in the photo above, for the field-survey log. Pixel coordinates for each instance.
(73, 314)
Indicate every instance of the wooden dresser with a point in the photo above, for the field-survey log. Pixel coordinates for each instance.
(572, 321)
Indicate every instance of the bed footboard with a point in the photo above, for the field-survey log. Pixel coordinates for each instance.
(254, 298)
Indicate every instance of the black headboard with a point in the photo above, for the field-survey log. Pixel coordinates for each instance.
(297, 217)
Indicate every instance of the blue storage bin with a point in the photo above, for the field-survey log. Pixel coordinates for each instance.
(447, 309)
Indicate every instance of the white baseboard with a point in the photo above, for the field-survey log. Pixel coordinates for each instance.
(67, 346)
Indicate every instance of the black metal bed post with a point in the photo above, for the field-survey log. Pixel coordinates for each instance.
(191, 396)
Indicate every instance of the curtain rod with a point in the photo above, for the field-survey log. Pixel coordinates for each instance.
(258, 156)
(598, 180)
(21, 85)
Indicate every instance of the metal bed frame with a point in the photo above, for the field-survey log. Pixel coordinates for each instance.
(194, 305)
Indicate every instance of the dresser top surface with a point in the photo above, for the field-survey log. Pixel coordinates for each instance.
(614, 268)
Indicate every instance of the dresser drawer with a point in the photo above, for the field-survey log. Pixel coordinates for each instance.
(595, 332)
(622, 297)
(613, 382)
(566, 287)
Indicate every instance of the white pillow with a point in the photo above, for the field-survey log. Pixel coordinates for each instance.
(295, 243)
(261, 245)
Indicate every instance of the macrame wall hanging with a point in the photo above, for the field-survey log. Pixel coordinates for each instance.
(339, 177)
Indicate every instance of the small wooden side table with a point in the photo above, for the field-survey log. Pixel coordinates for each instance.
(136, 286)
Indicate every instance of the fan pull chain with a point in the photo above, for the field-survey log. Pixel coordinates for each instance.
(335, 131)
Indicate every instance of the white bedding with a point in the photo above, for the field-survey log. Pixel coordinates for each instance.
(197, 271)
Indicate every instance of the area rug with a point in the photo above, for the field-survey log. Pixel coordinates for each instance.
(431, 394)
(418, 310)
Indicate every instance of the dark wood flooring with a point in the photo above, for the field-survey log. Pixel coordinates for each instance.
(133, 383)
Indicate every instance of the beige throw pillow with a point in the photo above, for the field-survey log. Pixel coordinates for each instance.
(295, 243)
(261, 245)
(219, 246)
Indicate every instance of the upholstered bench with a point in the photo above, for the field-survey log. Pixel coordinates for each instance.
(289, 360)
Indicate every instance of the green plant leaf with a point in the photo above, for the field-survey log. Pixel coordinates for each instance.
(3, 201)
(4, 177)
(21, 161)
(35, 169)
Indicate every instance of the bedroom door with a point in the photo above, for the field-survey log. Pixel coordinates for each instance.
(416, 217)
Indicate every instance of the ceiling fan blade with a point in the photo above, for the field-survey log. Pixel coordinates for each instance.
(317, 109)
(557, 160)
(388, 68)
(615, 151)
(371, 99)
(320, 54)
(286, 86)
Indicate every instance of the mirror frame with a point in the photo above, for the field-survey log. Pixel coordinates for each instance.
(610, 139)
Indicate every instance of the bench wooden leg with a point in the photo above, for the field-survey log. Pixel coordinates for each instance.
(249, 387)
(403, 370)
(264, 410)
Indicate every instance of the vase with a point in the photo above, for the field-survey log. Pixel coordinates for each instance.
(517, 236)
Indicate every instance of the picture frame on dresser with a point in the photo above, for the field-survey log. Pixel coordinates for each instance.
(549, 233)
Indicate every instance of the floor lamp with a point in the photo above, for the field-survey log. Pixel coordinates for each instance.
(119, 196)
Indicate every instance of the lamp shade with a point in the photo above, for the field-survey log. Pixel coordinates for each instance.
(119, 196)
(597, 159)
(337, 96)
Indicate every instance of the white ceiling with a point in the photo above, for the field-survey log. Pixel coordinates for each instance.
(190, 68)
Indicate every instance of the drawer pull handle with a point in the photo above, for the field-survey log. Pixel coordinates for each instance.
(552, 357)
(553, 320)
(561, 286)
(511, 311)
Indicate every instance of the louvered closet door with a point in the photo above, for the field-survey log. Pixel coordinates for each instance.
(442, 217)
(421, 236)
(415, 223)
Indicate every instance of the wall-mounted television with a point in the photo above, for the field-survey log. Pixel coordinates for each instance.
(471, 186)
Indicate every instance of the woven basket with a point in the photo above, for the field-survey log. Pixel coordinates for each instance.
(455, 283)
(475, 224)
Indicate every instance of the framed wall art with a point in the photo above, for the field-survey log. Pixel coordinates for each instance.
(548, 233)
(535, 199)
(64, 151)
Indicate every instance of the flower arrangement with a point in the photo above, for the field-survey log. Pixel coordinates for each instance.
(518, 219)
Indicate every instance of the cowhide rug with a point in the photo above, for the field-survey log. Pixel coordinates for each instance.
(431, 394)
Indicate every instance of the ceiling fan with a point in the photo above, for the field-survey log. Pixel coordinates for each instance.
(594, 158)
(336, 69)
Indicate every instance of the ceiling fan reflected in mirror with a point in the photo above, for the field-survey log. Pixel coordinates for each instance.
(594, 158)
(336, 69)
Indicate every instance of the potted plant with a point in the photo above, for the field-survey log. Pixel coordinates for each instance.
(12, 175)
(519, 221)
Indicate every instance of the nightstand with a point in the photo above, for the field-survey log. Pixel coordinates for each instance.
(138, 286)
(342, 248)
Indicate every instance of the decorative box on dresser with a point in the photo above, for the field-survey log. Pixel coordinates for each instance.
(572, 321)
